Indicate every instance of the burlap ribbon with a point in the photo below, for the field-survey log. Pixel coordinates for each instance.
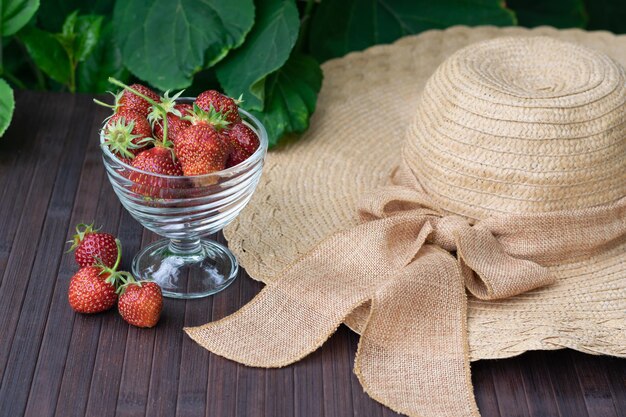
(413, 353)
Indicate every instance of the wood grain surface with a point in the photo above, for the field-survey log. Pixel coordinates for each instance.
(54, 362)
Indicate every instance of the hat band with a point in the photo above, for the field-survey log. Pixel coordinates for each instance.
(413, 353)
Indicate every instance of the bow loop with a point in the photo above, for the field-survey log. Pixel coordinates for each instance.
(490, 272)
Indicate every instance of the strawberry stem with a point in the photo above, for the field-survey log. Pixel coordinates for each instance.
(101, 103)
(119, 254)
(135, 92)
(148, 99)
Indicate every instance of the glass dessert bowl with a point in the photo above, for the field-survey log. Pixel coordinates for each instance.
(185, 210)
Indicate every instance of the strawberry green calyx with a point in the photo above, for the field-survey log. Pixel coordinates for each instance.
(211, 117)
(82, 230)
(127, 280)
(114, 275)
(119, 138)
(116, 100)
(167, 105)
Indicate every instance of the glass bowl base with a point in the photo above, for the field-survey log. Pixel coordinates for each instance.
(186, 269)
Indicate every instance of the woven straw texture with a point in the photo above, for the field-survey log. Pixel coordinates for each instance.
(311, 188)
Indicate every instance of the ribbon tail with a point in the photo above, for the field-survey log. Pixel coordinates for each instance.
(413, 354)
(295, 315)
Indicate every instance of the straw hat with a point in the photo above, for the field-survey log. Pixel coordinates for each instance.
(498, 135)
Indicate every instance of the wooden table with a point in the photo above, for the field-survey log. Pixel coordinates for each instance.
(54, 362)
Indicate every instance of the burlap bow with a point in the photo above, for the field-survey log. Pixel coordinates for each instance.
(413, 352)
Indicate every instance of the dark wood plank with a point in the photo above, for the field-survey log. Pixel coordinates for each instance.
(19, 153)
(57, 334)
(222, 385)
(509, 387)
(361, 403)
(39, 256)
(484, 389)
(615, 370)
(136, 365)
(337, 369)
(104, 389)
(85, 341)
(164, 379)
(250, 381)
(279, 392)
(595, 386)
(194, 364)
(569, 396)
(537, 381)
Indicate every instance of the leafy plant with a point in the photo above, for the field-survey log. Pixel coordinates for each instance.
(268, 51)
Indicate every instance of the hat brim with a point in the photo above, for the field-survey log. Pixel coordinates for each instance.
(310, 189)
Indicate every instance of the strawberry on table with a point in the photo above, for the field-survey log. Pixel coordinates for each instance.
(125, 133)
(225, 105)
(91, 247)
(93, 288)
(140, 302)
(244, 142)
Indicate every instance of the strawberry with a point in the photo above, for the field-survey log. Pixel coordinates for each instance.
(244, 142)
(225, 105)
(125, 132)
(92, 247)
(175, 113)
(140, 303)
(92, 290)
(129, 100)
(158, 160)
(175, 124)
(201, 150)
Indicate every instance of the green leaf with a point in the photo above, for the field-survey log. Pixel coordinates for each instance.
(105, 61)
(69, 24)
(15, 14)
(7, 105)
(341, 26)
(165, 42)
(80, 34)
(291, 96)
(47, 53)
(606, 15)
(87, 35)
(53, 13)
(266, 49)
(557, 13)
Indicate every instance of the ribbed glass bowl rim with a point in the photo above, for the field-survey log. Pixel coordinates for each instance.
(256, 157)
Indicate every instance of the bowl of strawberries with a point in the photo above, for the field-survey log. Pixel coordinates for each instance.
(184, 168)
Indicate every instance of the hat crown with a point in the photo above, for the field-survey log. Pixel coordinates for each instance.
(521, 125)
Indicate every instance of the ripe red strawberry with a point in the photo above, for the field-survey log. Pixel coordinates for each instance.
(201, 150)
(244, 143)
(175, 124)
(158, 160)
(223, 104)
(125, 133)
(140, 303)
(92, 290)
(93, 247)
(128, 100)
